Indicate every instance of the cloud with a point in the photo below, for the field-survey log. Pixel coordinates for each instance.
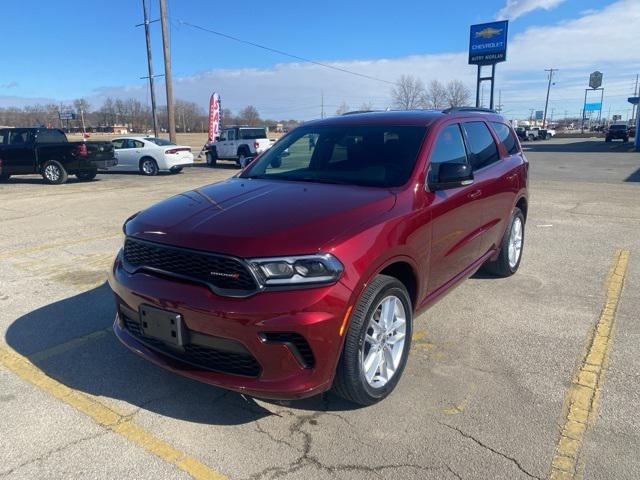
(8, 85)
(516, 8)
(604, 40)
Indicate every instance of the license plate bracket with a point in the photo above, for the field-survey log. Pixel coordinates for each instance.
(162, 325)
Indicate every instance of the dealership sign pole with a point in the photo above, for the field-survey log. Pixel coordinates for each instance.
(487, 46)
(595, 82)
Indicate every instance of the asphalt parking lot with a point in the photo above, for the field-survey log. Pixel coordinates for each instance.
(491, 390)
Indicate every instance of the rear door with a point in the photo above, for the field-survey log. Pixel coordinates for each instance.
(128, 153)
(19, 153)
(455, 213)
(494, 181)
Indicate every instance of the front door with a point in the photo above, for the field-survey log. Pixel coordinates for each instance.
(456, 219)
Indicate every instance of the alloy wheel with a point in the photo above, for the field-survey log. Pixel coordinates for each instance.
(384, 342)
(52, 173)
(515, 242)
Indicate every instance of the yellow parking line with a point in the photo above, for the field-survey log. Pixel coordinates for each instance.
(69, 345)
(106, 417)
(581, 400)
(40, 248)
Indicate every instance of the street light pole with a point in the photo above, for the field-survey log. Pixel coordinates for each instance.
(546, 103)
(171, 115)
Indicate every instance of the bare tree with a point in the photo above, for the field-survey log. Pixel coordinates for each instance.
(458, 94)
(408, 93)
(342, 109)
(366, 106)
(249, 116)
(436, 95)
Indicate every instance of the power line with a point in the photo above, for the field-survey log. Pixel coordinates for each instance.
(280, 52)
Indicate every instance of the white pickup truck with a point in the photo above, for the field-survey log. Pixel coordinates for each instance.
(238, 144)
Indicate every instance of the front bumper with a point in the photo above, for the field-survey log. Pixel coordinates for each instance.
(314, 314)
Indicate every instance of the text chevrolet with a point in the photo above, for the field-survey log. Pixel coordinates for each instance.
(305, 271)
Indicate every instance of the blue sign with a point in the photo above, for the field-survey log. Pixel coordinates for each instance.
(592, 107)
(488, 43)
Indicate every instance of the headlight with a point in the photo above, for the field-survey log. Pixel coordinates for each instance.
(298, 270)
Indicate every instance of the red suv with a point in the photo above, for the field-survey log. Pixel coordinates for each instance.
(306, 270)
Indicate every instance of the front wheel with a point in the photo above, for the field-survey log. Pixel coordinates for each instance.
(531, 138)
(86, 176)
(148, 166)
(510, 254)
(212, 157)
(377, 343)
(54, 173)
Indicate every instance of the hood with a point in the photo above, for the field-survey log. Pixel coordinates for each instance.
(252, 218)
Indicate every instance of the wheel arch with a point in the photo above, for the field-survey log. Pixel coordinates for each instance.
(523, 206)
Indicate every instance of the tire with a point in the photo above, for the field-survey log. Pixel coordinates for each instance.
(86, 175)
(362, 340)
(243, 155)
(212, 158)
(625, 139)
(4, 177)
(607, 139)
(176, 170)
(506, 265)
(54, 173)
(148, 166)
(547, 136)
(531, 138)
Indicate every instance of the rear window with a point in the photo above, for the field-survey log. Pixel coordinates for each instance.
(51, 136)
(252, 133)
(159, 141)
(481, 145)
(618, 127)
(506, 137)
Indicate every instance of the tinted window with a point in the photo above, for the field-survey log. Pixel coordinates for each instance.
(371, 155)
(137, 144)
(3, 135)
(506, 137)
(449, 146)
(231, 134)
(118, 143)
(483, 150)
(252, 133)
(18, 137)
(51, 136)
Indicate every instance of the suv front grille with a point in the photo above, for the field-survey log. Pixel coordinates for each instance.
(200, 355)
(227, 275)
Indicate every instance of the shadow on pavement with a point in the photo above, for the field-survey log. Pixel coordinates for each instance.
(634, 177)
(101, 366)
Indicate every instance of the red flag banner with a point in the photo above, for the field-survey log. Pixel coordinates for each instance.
(215, 117)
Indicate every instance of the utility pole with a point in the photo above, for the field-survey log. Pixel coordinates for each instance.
(546, 103)
(531, 114)
(635, 94)
(499, 106)
(171, 115)
(150, 68)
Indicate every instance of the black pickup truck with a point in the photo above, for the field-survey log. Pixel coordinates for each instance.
(46, 151)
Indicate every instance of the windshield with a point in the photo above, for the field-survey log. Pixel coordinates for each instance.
(368, 155)
(159, 141)
(252, 133)
(618, 127)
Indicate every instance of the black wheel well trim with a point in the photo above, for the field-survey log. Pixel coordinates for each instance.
(522, 204)
(244, 147)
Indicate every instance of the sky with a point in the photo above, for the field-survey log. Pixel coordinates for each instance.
(71, 49)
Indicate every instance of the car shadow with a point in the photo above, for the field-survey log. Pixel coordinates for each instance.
(38, 180)
(71, 341)
(634, 177)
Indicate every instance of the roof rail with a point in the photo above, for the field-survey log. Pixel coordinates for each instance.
(360, 111)
(468, 109)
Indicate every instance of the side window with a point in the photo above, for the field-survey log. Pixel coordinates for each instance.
(118, 143)
(223, 136)
(51, 136)
(18, 137)
(137, 144)
(3, 136)
(231, 134)
(448, 148)
(483, 150)
(507, 138)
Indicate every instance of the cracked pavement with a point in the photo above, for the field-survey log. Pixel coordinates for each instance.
(482, 395)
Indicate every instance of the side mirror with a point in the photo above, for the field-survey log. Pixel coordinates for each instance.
(451, 175)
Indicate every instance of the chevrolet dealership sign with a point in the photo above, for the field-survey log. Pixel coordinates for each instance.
(488, 43)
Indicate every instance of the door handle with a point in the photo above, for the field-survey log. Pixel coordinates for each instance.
(475, 194)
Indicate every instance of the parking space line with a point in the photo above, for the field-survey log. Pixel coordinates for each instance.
(581, 400)
(69, 345)
(106, 417)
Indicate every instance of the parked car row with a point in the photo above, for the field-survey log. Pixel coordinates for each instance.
(48, 152)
